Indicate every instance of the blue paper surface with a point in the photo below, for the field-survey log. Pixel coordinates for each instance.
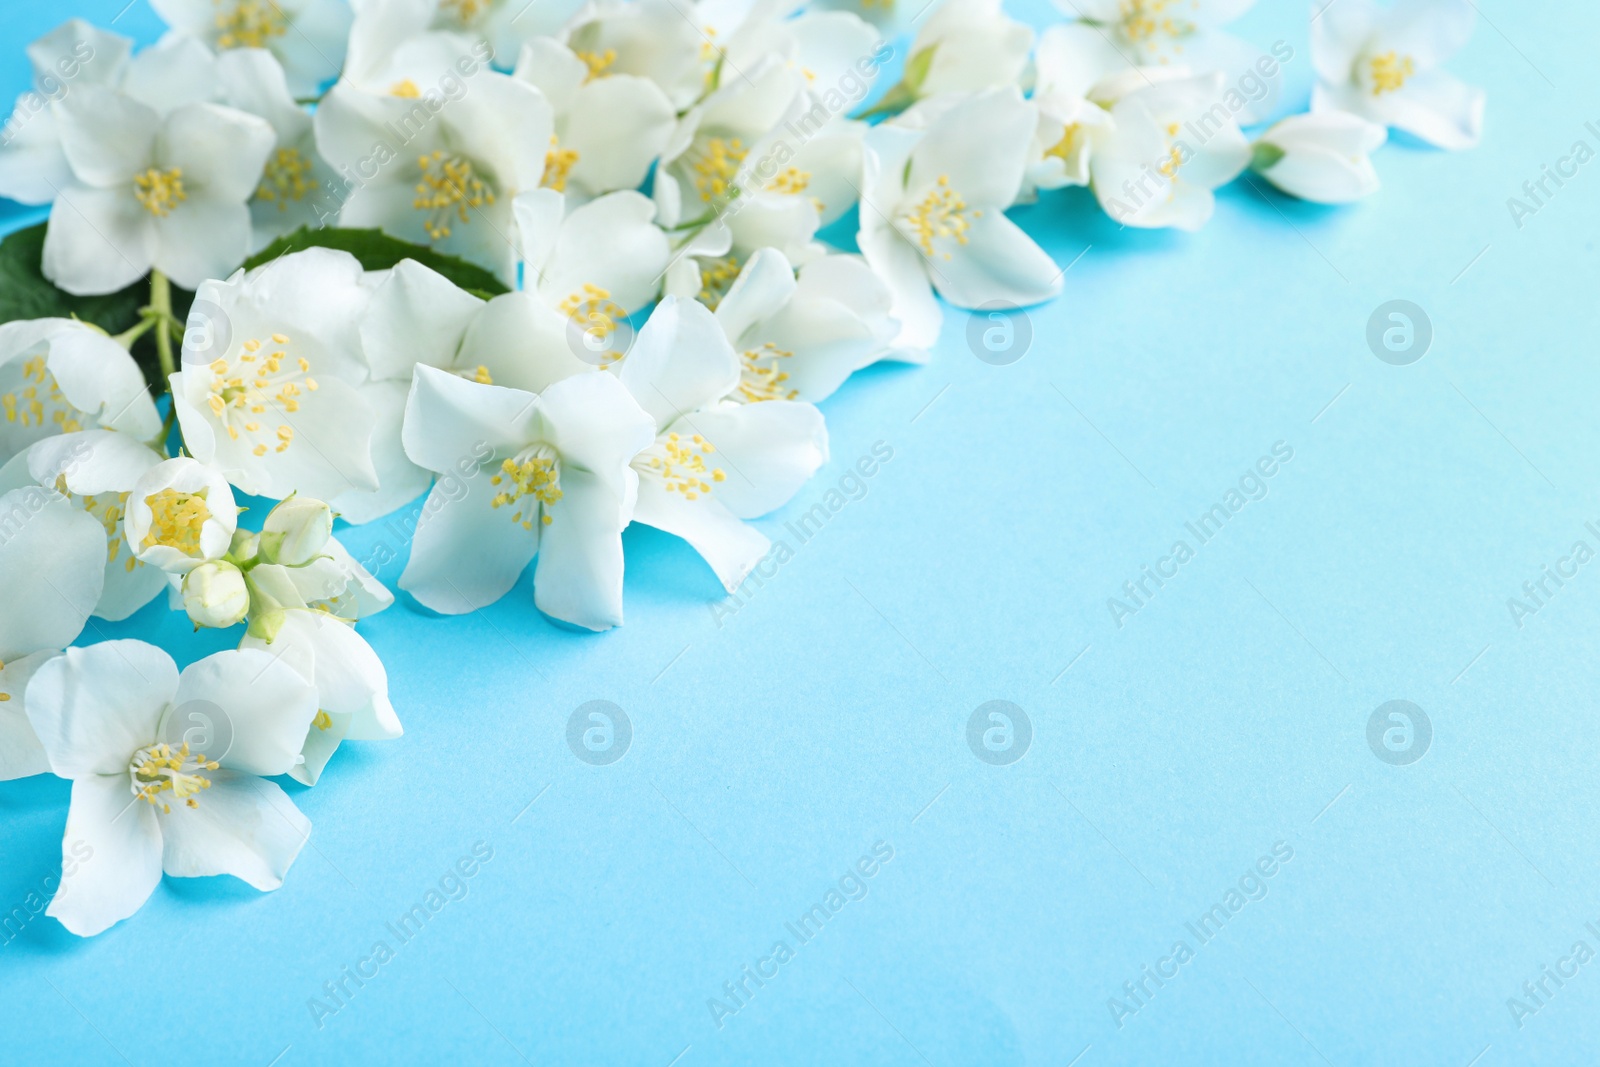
(1178, 751)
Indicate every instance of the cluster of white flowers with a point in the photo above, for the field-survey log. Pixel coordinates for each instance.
(591, 163)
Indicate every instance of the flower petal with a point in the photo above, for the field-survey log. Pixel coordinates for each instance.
(680, 362)
(767, 450)
(52, 560)
(94, 707)
(728, 545)
(578, 578)
(266, 703)
(21, 754)
(241, 826)
(98, 240)
(110, 856)
(466, 553)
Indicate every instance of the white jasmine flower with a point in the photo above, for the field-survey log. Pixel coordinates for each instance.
(306, 592)
(113, 718)
(97, 470)
(1383, 64)
(352, 686)
(32, 165)
(60, 375)
(180, 514)
(50, 569)
(800, 339)
(307, 36)
(556, 484)
(609, 129)
(388, 28)
(1157, 166)
(419, 317)
(933, 213)
(440, 172)
(837, 53)
(295, 178)
(176, 70)
(1129, 34)
(148, 191)
(596, 264)
(703, 162)
(967, 46)
(269, 393)
(652, 39)
(757, 168)
(713, 462)
(1323, 156)
(1069, 62)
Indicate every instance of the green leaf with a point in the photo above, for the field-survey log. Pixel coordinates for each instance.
(25, 293)
(917, 67)
(1263, 156)
(378, 251)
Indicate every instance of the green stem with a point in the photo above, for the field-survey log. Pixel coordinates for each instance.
(167, 328)
(161, 304)
(133, 333)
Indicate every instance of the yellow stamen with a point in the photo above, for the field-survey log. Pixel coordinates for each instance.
(160, 191)
(599, 63)
(448, 187)
(534, 473)
(715, 165)
(249, 23)
(287, 177)
(1390, 72)
(558, 164)
(682, 467)
(176, 519)
(941, 213)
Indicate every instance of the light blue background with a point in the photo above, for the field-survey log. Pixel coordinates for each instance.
(830, 712)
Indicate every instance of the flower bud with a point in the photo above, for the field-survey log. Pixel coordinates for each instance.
(214, 594)
(296, 531)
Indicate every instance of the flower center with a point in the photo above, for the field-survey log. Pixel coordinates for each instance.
(599, 63)
(479, 374)
(941, 213)
(38, 400)
(716, 165)
(792, 181)
(287, 177)
(465, 10)
(175, 520)
(1143, 20)
(406, 89)
(1068, 143)
(163, 769)
(323, 721)
(597, 315)
(716, 278)
(1389, 72)
(249, 23)
(760, 377)
(248, 384)
(558, 163)
(1171, 165)
(682, 467)
(110, 509)
(534, 473)
(160, 191)
(448, 186)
